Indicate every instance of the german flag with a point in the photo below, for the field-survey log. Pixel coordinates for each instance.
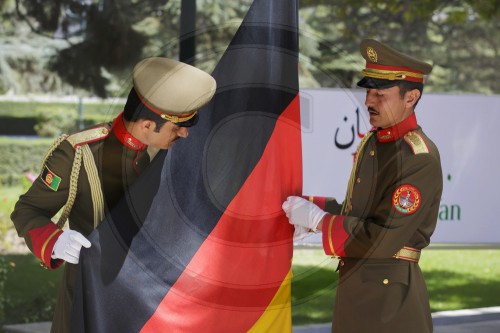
(200, 243)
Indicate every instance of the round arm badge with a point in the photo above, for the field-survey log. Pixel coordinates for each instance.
(406, 199)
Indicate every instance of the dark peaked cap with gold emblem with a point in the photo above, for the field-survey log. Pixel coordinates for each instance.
(172, 89)
(387, 67)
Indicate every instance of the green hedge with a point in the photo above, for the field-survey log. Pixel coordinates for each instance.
(20, 118)
(26, 126)
(91, 110)
(17, 126)
(18, 156)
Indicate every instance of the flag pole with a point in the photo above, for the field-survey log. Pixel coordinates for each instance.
(187, 45)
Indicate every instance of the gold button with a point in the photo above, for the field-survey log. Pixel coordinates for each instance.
(386, 281)
(388, 132)
(104, 131)
(372, 152)
(358, 180)
(341, 263)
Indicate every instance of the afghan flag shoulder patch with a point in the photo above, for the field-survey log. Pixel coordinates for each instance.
(50, 179)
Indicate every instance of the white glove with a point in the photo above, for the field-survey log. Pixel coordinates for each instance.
(68, 246)
(302, 212)
(300, 233)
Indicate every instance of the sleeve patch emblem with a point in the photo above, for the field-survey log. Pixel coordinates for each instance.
(50, 179)
(406, 199)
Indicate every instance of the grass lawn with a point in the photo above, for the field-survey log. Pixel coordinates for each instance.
(461, 279)
(27, 279)
(30, 291)
(313, 286)
(456, 279)
(8, 198)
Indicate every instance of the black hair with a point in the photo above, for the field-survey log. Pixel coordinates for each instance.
(135, 110)
(405, 86)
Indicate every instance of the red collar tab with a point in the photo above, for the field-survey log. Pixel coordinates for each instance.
(397, 131)
(124, 136)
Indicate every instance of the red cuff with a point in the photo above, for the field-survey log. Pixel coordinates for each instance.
(318, 201)
(43, 240)
(334, 235)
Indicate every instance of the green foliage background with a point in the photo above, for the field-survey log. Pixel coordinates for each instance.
(21, 155)
(37, 56)
(18, 156)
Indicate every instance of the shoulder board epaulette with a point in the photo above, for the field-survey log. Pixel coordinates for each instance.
(88, 136)
(416, 143)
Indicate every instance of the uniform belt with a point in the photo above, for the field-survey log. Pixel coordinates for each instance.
(408, 253)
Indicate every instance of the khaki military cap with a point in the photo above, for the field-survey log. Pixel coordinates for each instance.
(386, 67)
(172, 89)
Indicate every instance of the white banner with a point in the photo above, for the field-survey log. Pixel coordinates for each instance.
(462, 126)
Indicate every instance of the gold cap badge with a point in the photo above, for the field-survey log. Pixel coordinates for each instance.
(371, 54)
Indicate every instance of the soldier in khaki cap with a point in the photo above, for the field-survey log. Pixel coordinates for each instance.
(390, 209)
(86, 173)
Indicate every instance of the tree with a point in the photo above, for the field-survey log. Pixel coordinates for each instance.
(450, 34)
(100, 36)
(105, 38)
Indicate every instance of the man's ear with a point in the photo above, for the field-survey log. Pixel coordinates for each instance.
(145, 125)
(412, 97)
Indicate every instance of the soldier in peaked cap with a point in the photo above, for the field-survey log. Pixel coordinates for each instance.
(387, 67)
(390, 209)
(86, 173)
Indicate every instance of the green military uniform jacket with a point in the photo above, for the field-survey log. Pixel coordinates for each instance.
(391, 207)
(119, 159)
